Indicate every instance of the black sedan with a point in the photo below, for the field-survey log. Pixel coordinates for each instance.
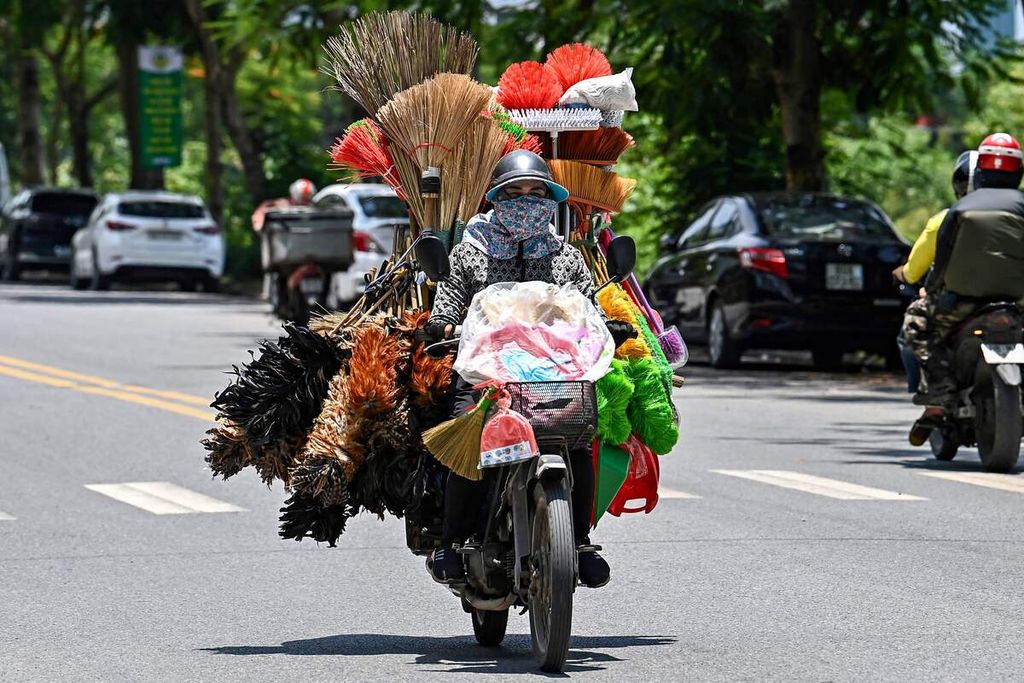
(783, 271)
(36, 227)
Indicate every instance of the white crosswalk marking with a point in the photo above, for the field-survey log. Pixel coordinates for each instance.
(1004, 482)
(833, 488)
(4, 517)
(669, 494)
(163, 498)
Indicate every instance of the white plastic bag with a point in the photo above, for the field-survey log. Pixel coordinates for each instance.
(608, 93)
(533, 332)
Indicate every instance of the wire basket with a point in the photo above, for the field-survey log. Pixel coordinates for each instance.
(561, 413)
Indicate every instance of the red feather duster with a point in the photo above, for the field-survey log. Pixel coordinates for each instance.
(528, 85)
(577, 62)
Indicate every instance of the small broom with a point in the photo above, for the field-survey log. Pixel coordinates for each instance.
(591, 188)
(577, 62)
(456, 443)
(363, 152)
(528, 85)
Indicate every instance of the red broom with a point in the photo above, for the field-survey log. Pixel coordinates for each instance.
(577, 62)
(363, 152)
(528, 85)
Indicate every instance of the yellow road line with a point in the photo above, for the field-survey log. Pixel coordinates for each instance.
(103, 382)
(120, 395)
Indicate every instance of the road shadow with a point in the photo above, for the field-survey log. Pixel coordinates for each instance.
(454, 654)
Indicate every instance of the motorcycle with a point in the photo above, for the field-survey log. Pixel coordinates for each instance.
(988, 354)
(526, 556)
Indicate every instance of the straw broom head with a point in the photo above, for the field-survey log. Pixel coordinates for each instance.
(456, 443)
(601, 147)
(469, 174)
(383, 53)
(363, 152)
(590, 186)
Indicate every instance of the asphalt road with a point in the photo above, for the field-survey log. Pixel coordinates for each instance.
(767, 559)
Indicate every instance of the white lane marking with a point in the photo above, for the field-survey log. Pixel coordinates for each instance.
(4, 517)
(833, 488)
(667, 493)
(1004, 482)
(163, 498)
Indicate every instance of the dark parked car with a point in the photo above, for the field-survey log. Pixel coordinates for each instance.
(36, 227)
(783, 271)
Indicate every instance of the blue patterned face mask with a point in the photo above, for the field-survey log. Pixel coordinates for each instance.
(523, 220)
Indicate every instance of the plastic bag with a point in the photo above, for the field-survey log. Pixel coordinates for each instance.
(533, 332)
(608, 93)
(507, 437)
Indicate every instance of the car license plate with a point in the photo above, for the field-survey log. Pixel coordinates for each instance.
(1003, 353)
(844, 276)
(164, 235)
(61, 251)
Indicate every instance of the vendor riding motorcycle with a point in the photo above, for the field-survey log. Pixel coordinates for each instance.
(994, 213)
(514, 242)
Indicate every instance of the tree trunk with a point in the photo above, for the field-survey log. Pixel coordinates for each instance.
(128, 88)
(241, 134)
(30, 139)
(797, 74)
(214, 167)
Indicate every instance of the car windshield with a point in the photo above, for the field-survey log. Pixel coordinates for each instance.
(383, 206)
(823, 217)
(63, 204)
(161, 209)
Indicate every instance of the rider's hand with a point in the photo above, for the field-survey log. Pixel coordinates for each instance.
(898, 274)
(433, 332)
(620, 331)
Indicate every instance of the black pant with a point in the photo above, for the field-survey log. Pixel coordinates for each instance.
(464, 499)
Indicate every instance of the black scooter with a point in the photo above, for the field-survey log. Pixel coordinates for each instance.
(526, 555)
(987, 369)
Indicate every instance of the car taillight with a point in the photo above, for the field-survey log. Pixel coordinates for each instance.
(118, 226)
(363, 242)
(768, 260)
(213, 229)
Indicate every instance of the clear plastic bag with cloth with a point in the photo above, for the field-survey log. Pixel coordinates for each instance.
(533, 332)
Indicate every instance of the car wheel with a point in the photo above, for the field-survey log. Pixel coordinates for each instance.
(11, 271)
(827, 358)
(723, 351)
(210, 284)
(98, 282)
(75, 280)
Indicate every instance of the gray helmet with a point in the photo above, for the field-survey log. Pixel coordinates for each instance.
(522, 165)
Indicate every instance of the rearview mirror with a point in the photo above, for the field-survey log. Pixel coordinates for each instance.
(432, 256)
(621, 258)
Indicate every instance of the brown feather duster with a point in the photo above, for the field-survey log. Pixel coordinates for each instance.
(430, 378)
(229, 449)
(373, 371)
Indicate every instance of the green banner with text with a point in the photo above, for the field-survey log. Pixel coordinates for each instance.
(160, 83)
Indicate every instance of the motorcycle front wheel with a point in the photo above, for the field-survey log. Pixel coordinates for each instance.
(553, 576)
(998, 426)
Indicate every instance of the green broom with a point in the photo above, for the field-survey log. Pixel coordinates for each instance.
(456, 443)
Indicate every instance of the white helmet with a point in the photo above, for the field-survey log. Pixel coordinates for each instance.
(302, 191)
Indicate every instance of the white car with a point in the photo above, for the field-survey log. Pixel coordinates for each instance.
(376, 210)
(148, 235)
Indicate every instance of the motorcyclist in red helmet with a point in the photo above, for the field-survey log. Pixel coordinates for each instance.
(995, 207)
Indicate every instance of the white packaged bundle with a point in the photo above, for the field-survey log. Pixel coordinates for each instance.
(610, 93)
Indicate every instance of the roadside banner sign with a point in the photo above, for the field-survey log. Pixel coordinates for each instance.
(160, 84)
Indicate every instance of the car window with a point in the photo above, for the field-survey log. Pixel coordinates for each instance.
(723, 222)
(697, 231)
(62, 204)
(331, 201)
(161, 209)
(822, 217)
(383, 206)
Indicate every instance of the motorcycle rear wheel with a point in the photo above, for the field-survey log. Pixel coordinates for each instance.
(944, 443)
(998, 426)
(489, 627)
(553, 580)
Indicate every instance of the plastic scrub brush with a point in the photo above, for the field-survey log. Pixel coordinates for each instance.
(614, 392)
(556, 119)
(528, 85)
(577, 62)
(456, 443)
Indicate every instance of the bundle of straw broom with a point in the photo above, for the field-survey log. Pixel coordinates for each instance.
(591, 188)
(456, 443)
(383, 53)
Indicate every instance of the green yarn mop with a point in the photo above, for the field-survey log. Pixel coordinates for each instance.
(614, 392)
(650, 409)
